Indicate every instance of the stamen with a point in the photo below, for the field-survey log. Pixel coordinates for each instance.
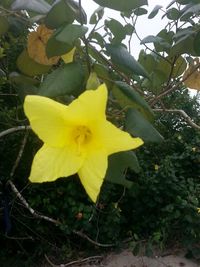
(82, 136)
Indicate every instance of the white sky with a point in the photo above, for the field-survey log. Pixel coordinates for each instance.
(144, 25)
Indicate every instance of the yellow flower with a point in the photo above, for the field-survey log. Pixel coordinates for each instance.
(77, 139)
(198, 210)
(156, 167)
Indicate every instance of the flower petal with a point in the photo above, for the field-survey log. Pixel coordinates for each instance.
(90, 105)
(92, 173)
(47, 119)
(52, 163)
(115, 140)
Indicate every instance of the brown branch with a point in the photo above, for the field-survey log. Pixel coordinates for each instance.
(89, 259)
(14, 129)
(182, 113)
(49, 219)
(25, 203)
(19, 155)
(92, 241)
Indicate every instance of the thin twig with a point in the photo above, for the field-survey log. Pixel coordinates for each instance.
(19, 155)
(32, 211)
(182, 113)
(153, 51)
(14, 129)
(92, 241)
(89, 259)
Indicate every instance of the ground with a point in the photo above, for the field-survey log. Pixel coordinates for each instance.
(127, 259)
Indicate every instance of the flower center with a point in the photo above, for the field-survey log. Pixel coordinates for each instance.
(82, 136)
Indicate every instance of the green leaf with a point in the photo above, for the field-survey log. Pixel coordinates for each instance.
(64, 80)
(118, 163)
(194, 9)
(4, 25)
(70, 33)
(29, 67)
(140, 11)
(97, 15)
(173, 14)
(148, 61)
(117, 30)
(81, 16)
(127, 97)
(184, 45)
(38, 6)
(103, 72)
(60, 13)
(65, 11)
(20, 79)
(24, 85)
(122, 5)
(154, 12)
(155, 40)
(64, 39)
(98, 37)
(124, 61)
(56, 48)
(129, 29)
(179, 67)
(138, 126)
(167, 37)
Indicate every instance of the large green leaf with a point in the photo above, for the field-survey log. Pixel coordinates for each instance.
(120, 5)
(70, 33)
(64, 11)
(38, 6)
(56, 48)
(118, 163)
(64, 39)
(137, 125)
(29, 67)
(60, 13)
(64, 80)
(124, 61)
(127, 97)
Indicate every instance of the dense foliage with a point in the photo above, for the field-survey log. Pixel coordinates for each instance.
(152, 195)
